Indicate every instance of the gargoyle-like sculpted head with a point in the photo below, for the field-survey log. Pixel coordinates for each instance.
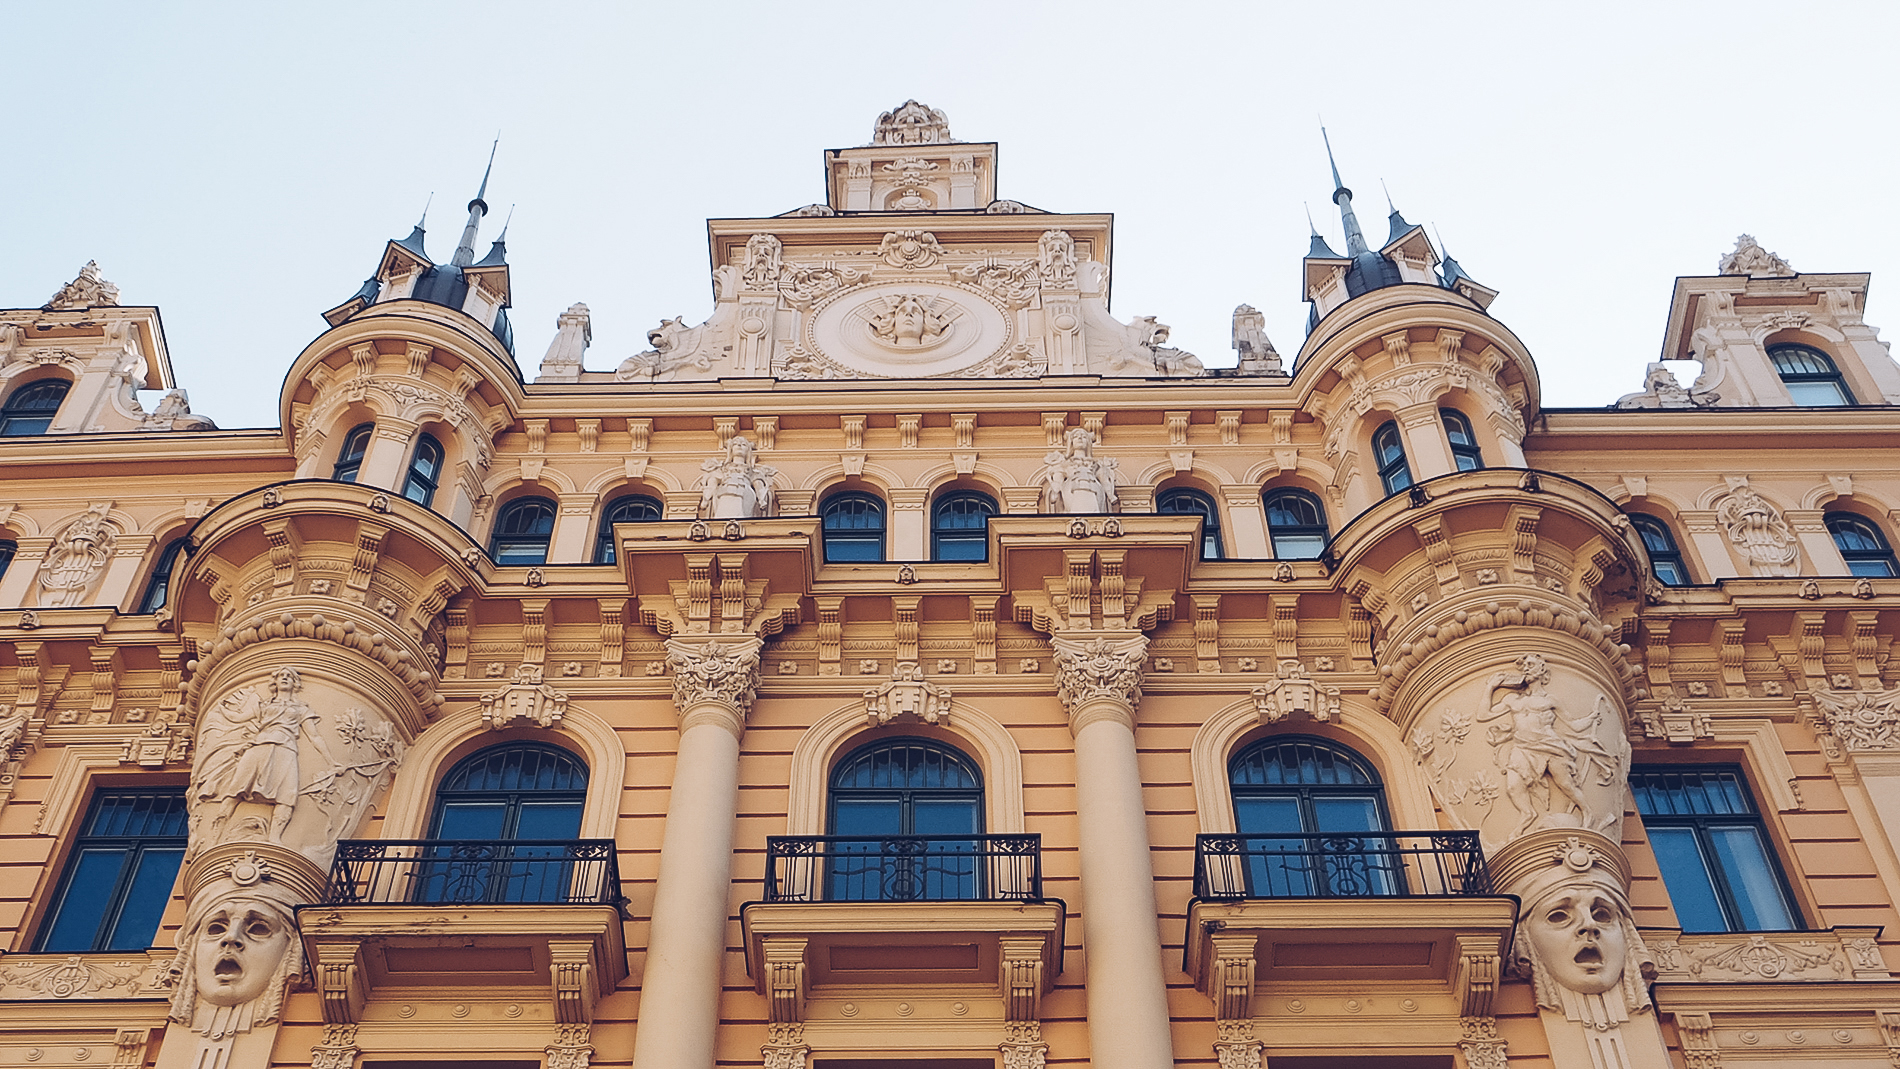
(239, 946)
(1578, 934)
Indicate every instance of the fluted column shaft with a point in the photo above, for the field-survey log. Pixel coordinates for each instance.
(1099, 679)
(713, 685)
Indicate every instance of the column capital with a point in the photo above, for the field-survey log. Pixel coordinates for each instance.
(714, 677)
(1098, 673)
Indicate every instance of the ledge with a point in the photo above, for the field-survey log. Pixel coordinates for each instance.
(572, 955)
(890, 944)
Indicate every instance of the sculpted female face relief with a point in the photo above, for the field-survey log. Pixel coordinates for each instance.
(239, 948)
(1578, 933)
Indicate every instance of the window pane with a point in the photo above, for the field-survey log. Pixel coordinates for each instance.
(957, 548)
(853, 549)
(1816, 394)
(1468, 462)
(1268, 816)
(1668, 572)
(944, 816)
(867, 816)
(471, 820)
(1298, 546)
(549, 820)
(1744, 860)
(1687, 879)
(89, 889)
(1333, 814)
(145, 901)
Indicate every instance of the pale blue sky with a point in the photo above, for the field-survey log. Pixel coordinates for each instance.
(241, 165)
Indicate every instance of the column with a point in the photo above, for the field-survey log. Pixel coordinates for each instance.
(1425, 443)
(388, 457)
(1098, 677)
(714, 680)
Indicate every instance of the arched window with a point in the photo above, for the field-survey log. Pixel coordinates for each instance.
(157, 586)
(1464, 444)
(1811, 377)
(1297, 522)
(505, 821)
(7, 550)
(1388, 450)
(854, 528)
(633, 508)
(1312, 817)
(1665, 560)
(522, 532)
(349, 459)
(1182, 501)
(1862, 545)
(959, 526)
(425, 470)
(32, 407)
(905, 787)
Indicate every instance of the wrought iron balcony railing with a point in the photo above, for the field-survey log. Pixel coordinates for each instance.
(467, 872)
(903, 868)
(1340, 865)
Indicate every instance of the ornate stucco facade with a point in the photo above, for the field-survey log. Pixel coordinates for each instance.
(911, 483)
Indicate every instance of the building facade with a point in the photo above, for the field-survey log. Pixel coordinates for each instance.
(914, 665)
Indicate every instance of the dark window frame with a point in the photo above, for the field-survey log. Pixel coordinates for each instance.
(415, 477)
(158, 586)
(1275, 497)
(840, 541)
(1803, 365)
(1388, 455)
(903, 797)
(8, 549)
(26, 414)
(1700, 825)
(1167, 503)
(136, 851)
(1873, 561)
(349, 456)
(1666, 562)
(1305, 793)
(514, 548)
(965, 544)
(1466, 455)
(622, 509)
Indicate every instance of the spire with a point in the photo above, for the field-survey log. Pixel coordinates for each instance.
(498, 252)
(1317, 248)
(1396, 226)
(465, 252)
(414, 241)
(1355, 239)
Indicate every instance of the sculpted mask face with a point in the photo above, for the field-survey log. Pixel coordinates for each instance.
(1578, 933)
(240, 945)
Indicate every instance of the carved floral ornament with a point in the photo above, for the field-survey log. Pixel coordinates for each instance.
(527, 700)
(715, 672)
(1757, 529)
(908, 694)
(77, 558)
(1863, 720)
(1294, 694)
(1100, 668)
(88, 290)
(911, 123)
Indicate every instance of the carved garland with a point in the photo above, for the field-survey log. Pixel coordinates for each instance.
(367, 641)
(1526, 613)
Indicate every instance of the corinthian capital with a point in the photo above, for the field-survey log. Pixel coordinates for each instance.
(1094, 668)
(715, 671)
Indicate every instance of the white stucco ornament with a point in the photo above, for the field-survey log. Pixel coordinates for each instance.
(909, 328)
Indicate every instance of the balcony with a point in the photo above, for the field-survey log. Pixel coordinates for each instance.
(538, 921)
(847, 917)
(1325, 911)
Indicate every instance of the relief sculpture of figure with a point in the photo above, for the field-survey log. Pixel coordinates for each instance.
(1542, 750)
(1076, 481)
(735, 487)
(248, 753)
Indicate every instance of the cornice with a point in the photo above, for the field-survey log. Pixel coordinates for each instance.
(410, 321)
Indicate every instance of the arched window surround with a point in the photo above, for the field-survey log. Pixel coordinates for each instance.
(1213, 540)
(422, 475)
(1658, 560)
(976, 539)
(1811, 375)
(458, 735)
(1322, 530)
(21, 422)
(1408, 800)
(854, 544)
(987, 743)
(1389, 459)
(631, 501)
(1865, 561)
(351, 450)
(507, 512)
(158, 580)
(1461, 435)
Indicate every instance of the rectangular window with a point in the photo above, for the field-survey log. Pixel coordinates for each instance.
(1713, 849)
(120, 874)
